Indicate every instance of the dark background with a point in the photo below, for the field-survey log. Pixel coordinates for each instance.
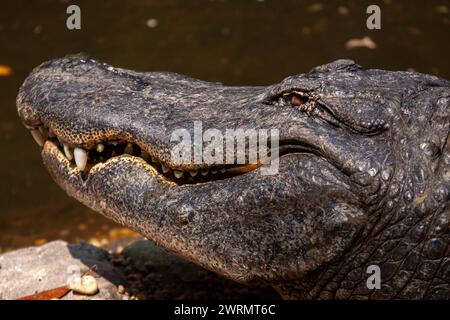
(235, 42)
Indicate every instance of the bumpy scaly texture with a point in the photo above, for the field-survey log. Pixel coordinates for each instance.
(369, 184)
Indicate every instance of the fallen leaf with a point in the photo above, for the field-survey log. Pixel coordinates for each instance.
(5, 71)
(64, 232)
(56, 293)
(306, 30)
(414, 31)
(365, 42)
(40, 242)
(37, 29)
(343, 11)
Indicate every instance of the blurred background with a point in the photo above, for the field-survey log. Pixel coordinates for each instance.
(247, 42)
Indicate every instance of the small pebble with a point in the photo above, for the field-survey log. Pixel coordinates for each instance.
(85, 285)
(152, 23)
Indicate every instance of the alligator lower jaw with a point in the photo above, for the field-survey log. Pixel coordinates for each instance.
(82, 162)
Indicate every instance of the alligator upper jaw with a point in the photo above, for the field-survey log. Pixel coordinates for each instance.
(86, 105)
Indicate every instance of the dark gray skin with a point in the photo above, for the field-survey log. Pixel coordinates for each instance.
(364, 178)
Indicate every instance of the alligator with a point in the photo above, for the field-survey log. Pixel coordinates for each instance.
(361, 193)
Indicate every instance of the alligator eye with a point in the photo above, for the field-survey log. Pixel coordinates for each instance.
(298, 100)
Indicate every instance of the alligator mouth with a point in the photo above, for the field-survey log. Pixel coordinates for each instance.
(86, 159)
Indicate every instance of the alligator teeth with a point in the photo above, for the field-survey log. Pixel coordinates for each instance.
(213, 171)
(100, 147)
(67, 152)
(128, 149)
(80, 158)
(223, 170)
(178, 174)
(164, 168)
(38, 137)
(204, 173)
(193, 173)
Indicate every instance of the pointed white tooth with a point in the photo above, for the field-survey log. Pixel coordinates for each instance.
(81, 157)
(67, 152)
(100, 147)
(213, 171)
(223, 170)
(128, 149)
(164, 168)
(193, 173)
(204, 173)
(178, 174)
(38, 137)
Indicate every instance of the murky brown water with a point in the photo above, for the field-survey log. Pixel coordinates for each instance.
(234, 42)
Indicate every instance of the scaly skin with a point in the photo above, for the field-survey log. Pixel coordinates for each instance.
(364, 182)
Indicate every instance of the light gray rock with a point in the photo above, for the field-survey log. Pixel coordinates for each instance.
(142, 269)
(35, 269)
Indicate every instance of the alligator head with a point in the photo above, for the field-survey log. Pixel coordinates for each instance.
(363, 176)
